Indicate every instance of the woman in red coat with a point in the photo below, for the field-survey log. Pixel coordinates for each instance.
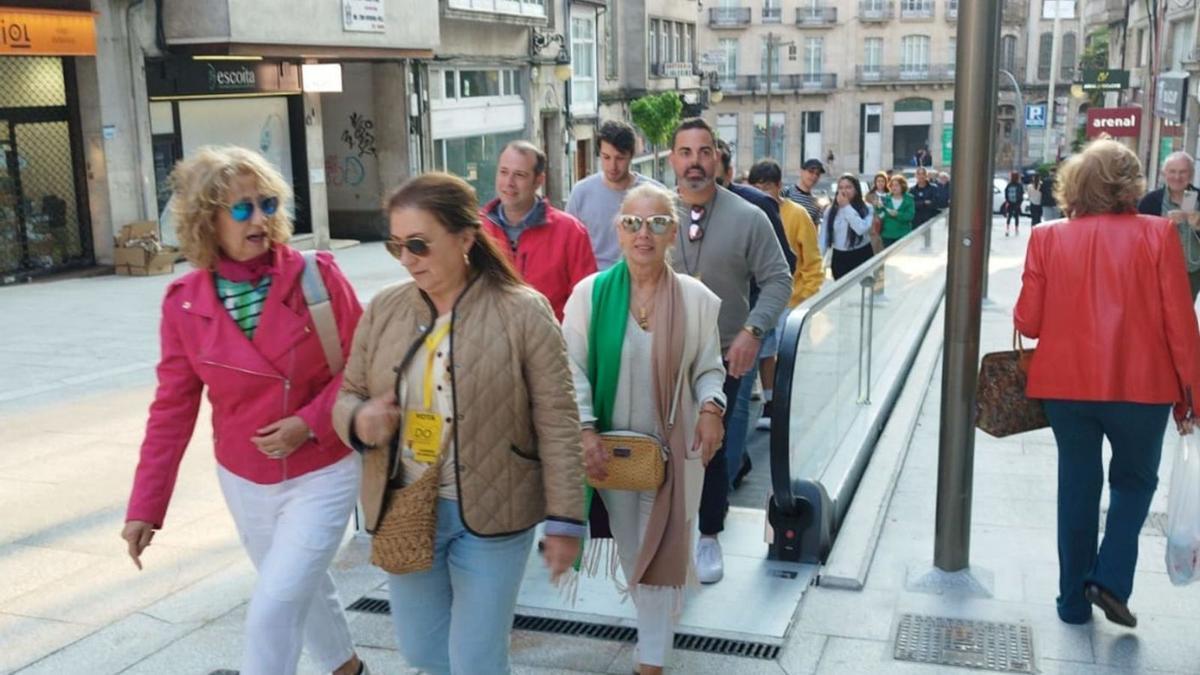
(240, 326)
(1106, 293)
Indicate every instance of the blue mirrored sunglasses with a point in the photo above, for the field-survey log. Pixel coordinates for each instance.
(244, 210)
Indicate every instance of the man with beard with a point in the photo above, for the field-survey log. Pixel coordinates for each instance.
(596, 199)
(725, 242)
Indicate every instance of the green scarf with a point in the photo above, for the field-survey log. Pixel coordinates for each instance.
(606, 337)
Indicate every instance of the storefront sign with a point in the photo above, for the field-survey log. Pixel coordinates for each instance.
(1115, 122)
(677, 69)
(187, 78)
(1170, 129)
(322, 77)
(32, 32)
(363, 16)
(1170, 96)
(1105, 80)
(948, 143)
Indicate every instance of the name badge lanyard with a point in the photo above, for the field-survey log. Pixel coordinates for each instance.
(424, 427)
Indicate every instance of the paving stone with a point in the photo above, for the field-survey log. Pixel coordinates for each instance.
(27, 639)
(112, 648)
(531, 648)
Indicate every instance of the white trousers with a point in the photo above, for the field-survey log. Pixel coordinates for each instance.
(628, 514)
(291, 530)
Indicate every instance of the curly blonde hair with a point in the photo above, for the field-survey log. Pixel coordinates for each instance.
(202, 183)
(1106, 177)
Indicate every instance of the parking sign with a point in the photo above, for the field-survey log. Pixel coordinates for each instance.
(1035, 115)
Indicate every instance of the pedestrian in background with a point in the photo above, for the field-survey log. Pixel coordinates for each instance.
(896, 211)
(1014, 194)
(460, 378)
(550, 249)
(724, 242)
(1035, 199)
(807, 278)
(239, 326)
(943, 181)
(1106, 295)
(634, 333)
(801, 191)
(1176, 200)
(926, 196)
(595, 199)
(845, 227)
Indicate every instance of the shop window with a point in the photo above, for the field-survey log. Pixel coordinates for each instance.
(478, 83)
(473, 159)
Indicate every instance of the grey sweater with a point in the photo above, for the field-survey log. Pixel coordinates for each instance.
(738, 246)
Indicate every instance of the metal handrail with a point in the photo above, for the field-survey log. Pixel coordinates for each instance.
(797, 497)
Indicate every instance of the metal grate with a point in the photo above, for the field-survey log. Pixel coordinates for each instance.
(1155, 525)
(600, 631)
(1002, 647)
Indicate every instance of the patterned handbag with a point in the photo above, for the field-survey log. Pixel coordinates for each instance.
(403, 539)
(1001, 407)
(637, 461)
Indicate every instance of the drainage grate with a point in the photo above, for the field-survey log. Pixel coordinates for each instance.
(1003, 647)
(1155, 525)
(600, 631)
(370, 606)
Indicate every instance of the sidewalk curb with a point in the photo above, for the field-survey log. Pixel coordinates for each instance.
(854, 549)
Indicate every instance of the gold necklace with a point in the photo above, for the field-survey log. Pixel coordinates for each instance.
(643, 315)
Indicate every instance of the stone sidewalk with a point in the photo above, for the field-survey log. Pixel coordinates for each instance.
(71, 417)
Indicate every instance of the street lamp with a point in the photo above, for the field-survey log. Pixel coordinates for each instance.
(1019, 155)
(773, 45)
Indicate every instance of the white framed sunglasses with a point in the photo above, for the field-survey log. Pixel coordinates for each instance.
(658, 224)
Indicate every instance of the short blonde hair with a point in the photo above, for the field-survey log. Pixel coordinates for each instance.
(1106, 177)
(202, 183)
(664, 197)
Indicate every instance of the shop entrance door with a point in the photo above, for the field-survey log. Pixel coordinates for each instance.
(12, 228)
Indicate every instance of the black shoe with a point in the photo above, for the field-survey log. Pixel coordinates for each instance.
(1114, 610)
(741, 474)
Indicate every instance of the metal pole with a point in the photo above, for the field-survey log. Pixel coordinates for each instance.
(770, 62)
(1019, 155)
(1048, 137)
(970, 210)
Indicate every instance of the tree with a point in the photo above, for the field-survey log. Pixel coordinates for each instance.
(657, 115)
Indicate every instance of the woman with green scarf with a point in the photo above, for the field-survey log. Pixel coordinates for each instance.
(632, 332)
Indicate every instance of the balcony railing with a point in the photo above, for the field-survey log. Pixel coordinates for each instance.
(782, 83)
(869, 12)
(916, 10)
(772, 14)
(925, 73)
(728, 17)
(820, 17)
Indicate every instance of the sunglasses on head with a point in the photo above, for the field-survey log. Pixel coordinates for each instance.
(658, 224)
(415, 245)
(244, 210)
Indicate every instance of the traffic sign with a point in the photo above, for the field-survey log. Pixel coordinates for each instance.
(1035, 115)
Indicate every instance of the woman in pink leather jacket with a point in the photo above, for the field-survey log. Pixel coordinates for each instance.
(239, 326)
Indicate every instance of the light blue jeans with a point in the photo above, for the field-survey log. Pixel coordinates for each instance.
(740, 424)
(457, 616)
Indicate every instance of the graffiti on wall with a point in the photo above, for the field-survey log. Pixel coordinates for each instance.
(348, 171)
(361, 135)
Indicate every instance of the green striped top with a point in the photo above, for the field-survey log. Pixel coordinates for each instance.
(244, 301)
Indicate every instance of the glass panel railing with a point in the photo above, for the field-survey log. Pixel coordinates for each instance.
(843, 358)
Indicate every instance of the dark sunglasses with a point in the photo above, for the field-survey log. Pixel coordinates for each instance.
(658, 224)
(415, 245)
(244, 210)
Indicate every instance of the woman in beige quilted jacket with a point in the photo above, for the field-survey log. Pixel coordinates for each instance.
(460, 377)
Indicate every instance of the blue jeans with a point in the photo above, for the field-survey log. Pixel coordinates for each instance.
(1135, 431)
(457, 616)
(739, 424)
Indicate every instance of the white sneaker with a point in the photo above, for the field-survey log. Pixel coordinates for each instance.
(710, 564)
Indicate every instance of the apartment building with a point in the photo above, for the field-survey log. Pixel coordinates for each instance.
(870, 82)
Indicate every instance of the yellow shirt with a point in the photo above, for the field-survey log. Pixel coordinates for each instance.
(801, 234)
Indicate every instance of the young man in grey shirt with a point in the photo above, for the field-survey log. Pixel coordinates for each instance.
(596, 199)
(725, 242)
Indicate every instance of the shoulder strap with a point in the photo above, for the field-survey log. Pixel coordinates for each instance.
(316, 296)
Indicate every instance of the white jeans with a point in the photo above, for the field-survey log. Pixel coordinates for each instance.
(628, 514)
(291, 530)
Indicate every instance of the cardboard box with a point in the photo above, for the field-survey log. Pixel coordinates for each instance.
(137, 252)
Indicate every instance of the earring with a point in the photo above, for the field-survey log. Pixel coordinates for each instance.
(467, 259)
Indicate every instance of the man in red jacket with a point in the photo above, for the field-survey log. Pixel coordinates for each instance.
(550, 248)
